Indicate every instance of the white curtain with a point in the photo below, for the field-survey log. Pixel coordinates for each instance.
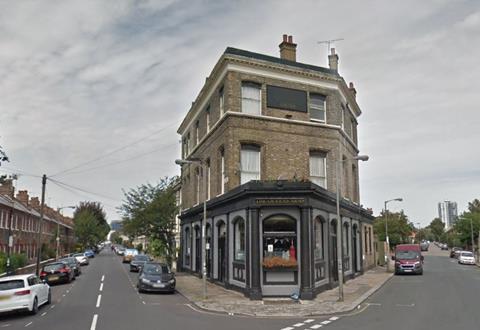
(250, 165)
(317, 107)
(317, 170)
(251, 100)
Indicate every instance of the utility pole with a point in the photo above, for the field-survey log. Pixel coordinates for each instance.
(39, 235)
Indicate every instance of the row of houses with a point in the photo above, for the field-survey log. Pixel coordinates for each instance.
(20, 218)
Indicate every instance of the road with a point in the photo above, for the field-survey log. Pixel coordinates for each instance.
(104, 297)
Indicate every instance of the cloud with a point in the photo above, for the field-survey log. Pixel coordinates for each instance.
(80, 79)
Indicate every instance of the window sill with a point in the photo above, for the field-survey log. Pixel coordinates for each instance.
(318, 120)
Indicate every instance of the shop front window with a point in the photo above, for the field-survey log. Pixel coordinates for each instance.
(239, 237)
(319, 250)
(280, 242)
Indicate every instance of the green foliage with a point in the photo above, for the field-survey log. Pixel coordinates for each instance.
(115, 238)
(399, 229)
(437, 228)
(47, 252)
(139, 247)
(150, 210)
(425, 234)
(16, 261)
(474, 206)
(464, 225)
(90, 224)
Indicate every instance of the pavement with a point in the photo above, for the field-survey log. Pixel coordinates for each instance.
(221, 300)
(104, 297)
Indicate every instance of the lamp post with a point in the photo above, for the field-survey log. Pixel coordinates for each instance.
(58, 228)
(339, 224)
(387, 250)
(203, 165)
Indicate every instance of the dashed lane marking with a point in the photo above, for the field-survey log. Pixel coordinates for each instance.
(103, 278)
(326, 322)
(334, 318)
(405, 305)
(44, 313)
(316, 326)
(287, 328)
(374, 304)
(298, 325)
(308, 321)
(101, 287)
(94, 322)
(99, 299)
(28, 324)
(6, 325)
(52, 307)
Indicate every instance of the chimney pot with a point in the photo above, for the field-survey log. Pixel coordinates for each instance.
(288, 50)
(351, 87)
(333, 60)
(22, 196)
(332, 51)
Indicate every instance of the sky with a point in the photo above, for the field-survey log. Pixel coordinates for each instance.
(92, 92)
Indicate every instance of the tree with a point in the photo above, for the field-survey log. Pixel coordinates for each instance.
(150, 210)
(474, 206)
(116, 238)
(3, 158)
(90, 224)
(438, 228)
(399, 229)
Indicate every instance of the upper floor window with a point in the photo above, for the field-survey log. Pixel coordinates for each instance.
(197, 137)
(317, 107)
(208, 179)
(208, 119)
(221, 102)
(251, 99)
(197, 182)
(318, 169)
(249, 163)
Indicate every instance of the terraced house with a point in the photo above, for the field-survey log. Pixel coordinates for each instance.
(20, 218)
(270, 133)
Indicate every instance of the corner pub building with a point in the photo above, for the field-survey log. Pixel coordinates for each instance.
(264, 138)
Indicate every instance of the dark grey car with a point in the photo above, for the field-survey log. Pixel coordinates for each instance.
(156, 277)
(138, 261)
(73, 263)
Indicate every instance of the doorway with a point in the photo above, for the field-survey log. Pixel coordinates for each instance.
(355, 248)
(198, 250)
(222, 253)
(334, 254)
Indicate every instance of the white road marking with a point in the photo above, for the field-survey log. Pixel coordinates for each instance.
(44, 313)
(52, 307)
(287, 328)
(374, 304)
(98, 300)
(26, 325)
(68, 291)
(101, 287)
(298, 325)
(404, 305)
(334, 318)
(308, 321)
(316, 326)
(6, 325)
(143, 302)
(326, 322)
(94, 322)
(103, 278)
(63, 295)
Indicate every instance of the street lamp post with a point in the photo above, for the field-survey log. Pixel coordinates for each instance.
(339, 225)
(58, 229)
(204, 222)
(387, 250)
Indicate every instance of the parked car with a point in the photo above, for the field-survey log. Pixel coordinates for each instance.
(74, 264)
(156, 277)
(454, 252)
(466, 258)
(129, 254)
(23, 292)
(408, 259)
(138, 262)
(81, 258)
(89, 253)
(57, 272)
(444, 246)
(120, 250)
(424, 246)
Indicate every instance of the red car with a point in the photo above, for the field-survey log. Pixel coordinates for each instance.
(57, 272)
(408, 259)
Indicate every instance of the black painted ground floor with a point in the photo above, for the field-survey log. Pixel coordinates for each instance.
(277, 239)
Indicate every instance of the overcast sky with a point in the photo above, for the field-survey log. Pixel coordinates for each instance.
(81, 79)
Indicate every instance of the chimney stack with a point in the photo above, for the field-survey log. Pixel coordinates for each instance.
(288, 50)
(35, 203)
(6, 188)
(22, 196)
(333, 60)
(352, 89)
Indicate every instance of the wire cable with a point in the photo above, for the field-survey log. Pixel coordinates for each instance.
(115, 150)
(82, 190)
